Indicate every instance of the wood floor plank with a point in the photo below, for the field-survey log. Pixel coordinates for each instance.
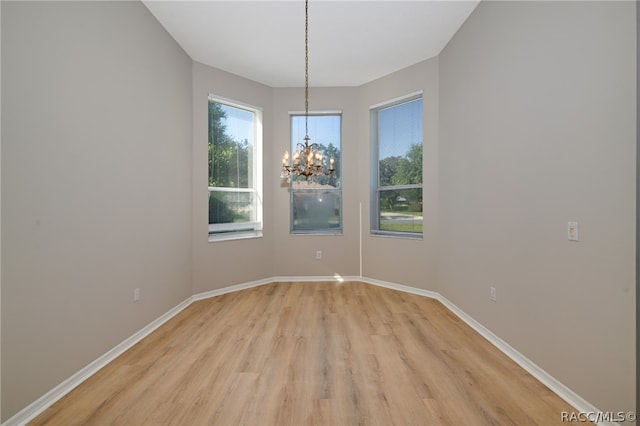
(311, 354)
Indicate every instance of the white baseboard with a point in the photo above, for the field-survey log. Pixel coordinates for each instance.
(37, 407)
(336, 277)
(48, 399)
(569, 396)
(406, 289)
(257, 283)
(230, 289)
(548, 380)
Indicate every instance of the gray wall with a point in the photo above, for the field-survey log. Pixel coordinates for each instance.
(224, 263)
(96, 185)
(294, 255)
(537, 128)
(637, 208)
(404, 261)
(0, 220)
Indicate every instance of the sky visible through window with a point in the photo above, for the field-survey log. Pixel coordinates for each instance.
(323, 129)
(239, 123)
(399, 127)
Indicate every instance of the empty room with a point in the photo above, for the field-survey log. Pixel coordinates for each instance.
(318, 212)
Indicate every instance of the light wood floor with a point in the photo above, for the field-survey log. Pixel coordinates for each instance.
(311, 354)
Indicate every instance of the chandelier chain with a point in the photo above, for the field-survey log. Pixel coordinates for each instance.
(308, 160)
(306, 67)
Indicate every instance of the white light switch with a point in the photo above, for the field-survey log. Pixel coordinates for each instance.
(572, 231)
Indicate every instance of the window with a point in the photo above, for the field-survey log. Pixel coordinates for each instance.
(316, 207)
(396, 200)
(235, 174)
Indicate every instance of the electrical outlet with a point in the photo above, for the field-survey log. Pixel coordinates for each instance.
(318, 254)
(136, 294)
(572, 231)
(493, 296)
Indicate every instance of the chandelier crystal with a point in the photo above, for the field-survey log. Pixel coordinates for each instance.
(307, 160)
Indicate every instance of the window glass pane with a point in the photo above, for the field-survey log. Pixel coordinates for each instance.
(316, 210)
(400, 144)
(400, 210)
(231, 141)
(396, 197)
(324, 130)
(316, 205)
(230, 206)
(233, 158)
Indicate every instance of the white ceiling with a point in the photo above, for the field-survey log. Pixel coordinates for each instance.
(351, 42)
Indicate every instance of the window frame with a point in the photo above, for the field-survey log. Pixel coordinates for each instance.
(252, 228)
(338, 190)
(375, 188)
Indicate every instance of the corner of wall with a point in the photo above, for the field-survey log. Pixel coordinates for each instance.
(637, 205)
(0, 213)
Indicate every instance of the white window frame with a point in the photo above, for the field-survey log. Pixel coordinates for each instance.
(376, 189)
(252, 229)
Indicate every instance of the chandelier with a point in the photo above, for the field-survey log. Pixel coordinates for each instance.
(308, 161)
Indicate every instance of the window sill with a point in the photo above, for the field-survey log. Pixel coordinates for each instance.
(316, 232)
(402, 235)
(214, 238)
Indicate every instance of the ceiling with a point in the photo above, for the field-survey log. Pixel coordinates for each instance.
(351, 42)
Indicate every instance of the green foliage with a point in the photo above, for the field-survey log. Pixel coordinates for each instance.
(387, 170)
(405, 170)
(228, 166)
(388, 200)
(218, 210)
(403, 227)
(409, 169)
(401, 208)
(396, 171)
(228, 158)
(415, 207)
(328, 152)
